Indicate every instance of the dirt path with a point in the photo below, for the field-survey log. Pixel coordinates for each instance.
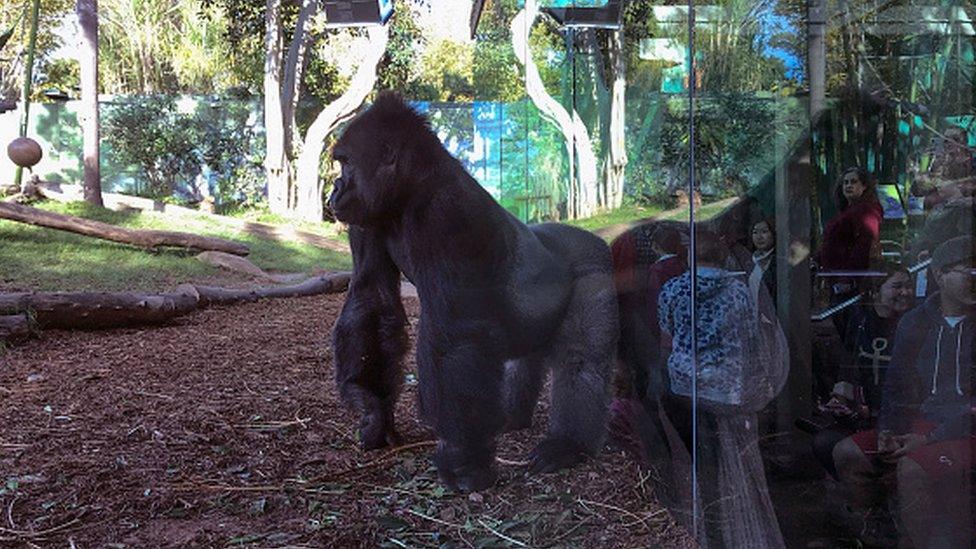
(224, 429)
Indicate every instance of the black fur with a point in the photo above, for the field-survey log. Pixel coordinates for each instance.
(501, 303)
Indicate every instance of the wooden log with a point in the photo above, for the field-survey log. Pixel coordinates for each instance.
(92, 310)
(322, 284)
(137, 237)
(14, 327)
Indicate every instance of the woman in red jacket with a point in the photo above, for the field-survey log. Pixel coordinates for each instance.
(851, 239)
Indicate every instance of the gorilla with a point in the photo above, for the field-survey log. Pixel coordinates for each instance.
(501, 304)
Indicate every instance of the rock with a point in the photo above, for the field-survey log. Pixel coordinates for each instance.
(233, 263)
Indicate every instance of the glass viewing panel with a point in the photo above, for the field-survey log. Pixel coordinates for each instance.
(801, 361)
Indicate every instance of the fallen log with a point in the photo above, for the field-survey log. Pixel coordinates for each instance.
(14, 327)
(144, 238)
(323, 284)
(90, 310)
(94, 310)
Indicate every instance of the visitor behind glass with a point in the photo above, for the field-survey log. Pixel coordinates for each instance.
(733, 383)
(924, 435)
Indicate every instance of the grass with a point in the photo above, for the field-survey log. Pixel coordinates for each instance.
(36, 258)
(626, 214)
(264, 215)
(704, 213)
(631, 213)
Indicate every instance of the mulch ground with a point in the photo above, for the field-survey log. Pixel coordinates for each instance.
(224, 429)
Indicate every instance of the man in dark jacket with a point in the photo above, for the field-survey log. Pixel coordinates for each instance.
(925, 424)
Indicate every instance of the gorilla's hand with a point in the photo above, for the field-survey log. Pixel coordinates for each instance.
(375, 432)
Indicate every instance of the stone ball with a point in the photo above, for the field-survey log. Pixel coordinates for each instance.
(25, 152)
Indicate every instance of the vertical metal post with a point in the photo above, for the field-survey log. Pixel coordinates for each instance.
(693, 266)
(28, 79)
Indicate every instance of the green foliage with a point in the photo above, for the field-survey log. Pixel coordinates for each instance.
(399, 70)
(171, 144)
(495, 70)
(9, 33)
(58, 74)
(150, 132)
(148, 46)
(15, 17)
(732, 142)
(447, 68)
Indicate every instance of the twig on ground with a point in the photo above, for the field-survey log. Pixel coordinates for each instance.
(382, 460)
(193, 487)
(639, 519)
(154, 395)
(434, 519)
(511, 462)
(273, 425)
(501, 535)
(39, 534)
(647, 517)
(10, 512)
(566, 534)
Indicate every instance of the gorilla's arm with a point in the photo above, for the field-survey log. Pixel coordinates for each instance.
(369, 339)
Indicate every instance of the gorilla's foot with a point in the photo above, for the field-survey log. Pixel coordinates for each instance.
(375, 431)
(465, 470)
(553, 454)
(468, 479)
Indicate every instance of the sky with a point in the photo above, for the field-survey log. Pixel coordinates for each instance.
(448, 19)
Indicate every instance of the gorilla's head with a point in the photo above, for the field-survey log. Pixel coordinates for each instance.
(379, 153)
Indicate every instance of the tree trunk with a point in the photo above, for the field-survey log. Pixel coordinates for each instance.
(618, 145)
(293, 70)
(88, 60)
(141, 238)
(817, 56)
(581, 197)
(309, 184)
(276, 165)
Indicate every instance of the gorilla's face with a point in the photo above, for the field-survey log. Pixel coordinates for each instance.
(344, 201)
(362, 192)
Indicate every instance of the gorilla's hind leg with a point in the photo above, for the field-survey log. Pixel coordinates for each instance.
(461, 391)
(523, 380)
(581, 359)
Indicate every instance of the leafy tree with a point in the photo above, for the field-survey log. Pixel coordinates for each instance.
(152, 133)
(495, 68)
(57, 74)
(171, 145)
(447, 68)
(12, 54)
(154, 46)
(399, 69)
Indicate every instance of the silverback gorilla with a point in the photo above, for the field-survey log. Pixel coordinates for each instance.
(501, 303)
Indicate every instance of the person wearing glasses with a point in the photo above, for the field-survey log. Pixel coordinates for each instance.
(924, 436)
